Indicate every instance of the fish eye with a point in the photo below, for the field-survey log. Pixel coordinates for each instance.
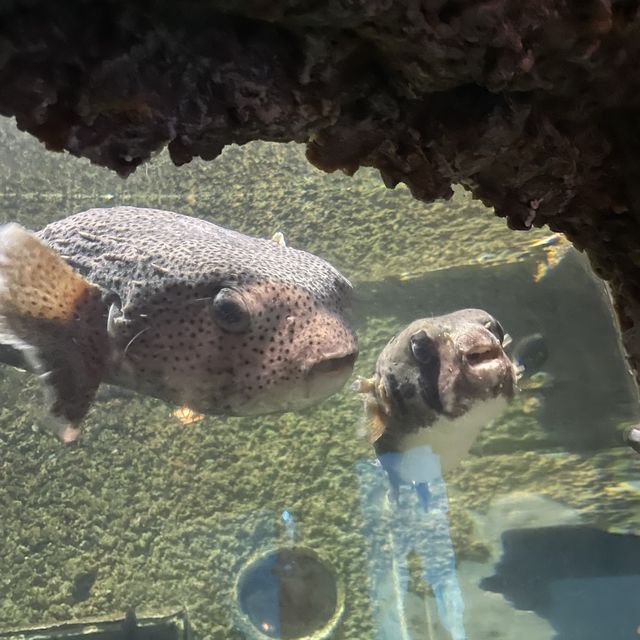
(496, 328)
(423, 348)
(230, 311)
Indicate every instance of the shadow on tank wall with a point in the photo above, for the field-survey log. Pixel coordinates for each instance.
(586, 391)
(583, 580)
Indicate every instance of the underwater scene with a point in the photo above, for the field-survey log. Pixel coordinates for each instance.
(160, 521)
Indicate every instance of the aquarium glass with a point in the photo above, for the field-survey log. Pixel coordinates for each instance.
(280, 526)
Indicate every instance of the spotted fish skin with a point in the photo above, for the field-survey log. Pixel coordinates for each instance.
(183, 310)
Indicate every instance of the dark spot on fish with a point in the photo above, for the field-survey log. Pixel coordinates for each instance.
(496, 328)
(407, 390)
(426, 354)
(395, 393)
(424, 349)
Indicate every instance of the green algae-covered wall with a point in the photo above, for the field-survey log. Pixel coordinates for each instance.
(165, 514)
(366, 230)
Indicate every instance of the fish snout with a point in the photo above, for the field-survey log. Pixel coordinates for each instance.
(326, 352)
(488, 367)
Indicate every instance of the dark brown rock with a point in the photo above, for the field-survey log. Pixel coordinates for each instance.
(532, 105)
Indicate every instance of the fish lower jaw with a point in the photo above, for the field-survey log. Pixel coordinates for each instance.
(492, 377)
(320, 385)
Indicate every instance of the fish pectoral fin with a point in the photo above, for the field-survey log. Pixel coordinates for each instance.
(55, 318)
(376, 420)
(375, 412)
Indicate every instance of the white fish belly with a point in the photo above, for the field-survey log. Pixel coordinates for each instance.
(437, 449)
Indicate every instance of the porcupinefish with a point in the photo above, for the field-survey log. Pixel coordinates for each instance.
(437, 383)
(173, 307)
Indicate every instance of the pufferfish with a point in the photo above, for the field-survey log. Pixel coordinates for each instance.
(436, 384)
(172, 307)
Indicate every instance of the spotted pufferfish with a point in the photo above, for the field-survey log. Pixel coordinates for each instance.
(173, 307)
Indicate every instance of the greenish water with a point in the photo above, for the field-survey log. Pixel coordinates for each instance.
(532, 536)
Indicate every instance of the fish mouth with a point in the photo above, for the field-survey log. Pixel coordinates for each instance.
(484, 356)
(315, 384)
(489, 370)
(329, 375)
(333, 365)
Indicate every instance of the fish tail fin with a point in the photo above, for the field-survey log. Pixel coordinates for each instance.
(55, 318)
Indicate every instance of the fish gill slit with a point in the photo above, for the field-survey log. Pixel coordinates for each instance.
(124, 353)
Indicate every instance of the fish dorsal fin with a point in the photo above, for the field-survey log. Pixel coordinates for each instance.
(279, 238)
(55, 317)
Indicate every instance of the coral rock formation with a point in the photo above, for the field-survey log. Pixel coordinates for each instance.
(531, 105)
